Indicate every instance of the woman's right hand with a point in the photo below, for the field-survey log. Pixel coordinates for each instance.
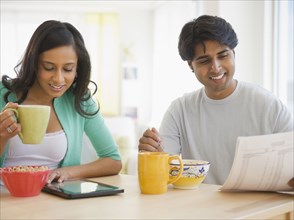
(150, 141)
(8, 125)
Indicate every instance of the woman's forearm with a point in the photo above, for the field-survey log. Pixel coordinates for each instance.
(99, 167)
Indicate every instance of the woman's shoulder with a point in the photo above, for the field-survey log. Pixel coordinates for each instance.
(2, 86)
(3, 91)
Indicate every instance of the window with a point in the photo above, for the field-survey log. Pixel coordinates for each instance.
(283, 52)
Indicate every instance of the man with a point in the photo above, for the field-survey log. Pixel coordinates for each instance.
(205, 124)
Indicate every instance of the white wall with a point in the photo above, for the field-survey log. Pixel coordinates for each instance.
(136, 30)
(171, 76)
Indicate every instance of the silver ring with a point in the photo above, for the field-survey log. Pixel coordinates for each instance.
(8, 129)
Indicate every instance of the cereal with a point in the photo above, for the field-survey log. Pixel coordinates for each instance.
(26, 168)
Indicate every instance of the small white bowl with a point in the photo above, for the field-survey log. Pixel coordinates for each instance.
(194, 172)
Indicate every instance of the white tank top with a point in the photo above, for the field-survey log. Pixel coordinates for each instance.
(49, 153)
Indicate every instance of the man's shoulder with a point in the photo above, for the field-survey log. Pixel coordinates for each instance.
(252, 87)
(254, 93)
(187, 99)
(255, 89)
(188, 96)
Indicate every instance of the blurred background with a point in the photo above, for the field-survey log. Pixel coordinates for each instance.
(133, 47)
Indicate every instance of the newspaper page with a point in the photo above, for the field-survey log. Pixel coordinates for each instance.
(262, 163)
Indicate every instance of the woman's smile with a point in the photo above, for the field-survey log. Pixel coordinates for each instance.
(57, 88)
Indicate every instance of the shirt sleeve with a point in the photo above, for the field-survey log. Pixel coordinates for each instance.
(281, 116)
(169, 131)
(101, 138)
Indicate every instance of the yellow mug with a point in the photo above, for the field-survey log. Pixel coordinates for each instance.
(34, 120)
(153, 171)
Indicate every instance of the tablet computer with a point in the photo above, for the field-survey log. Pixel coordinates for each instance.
(74, 189)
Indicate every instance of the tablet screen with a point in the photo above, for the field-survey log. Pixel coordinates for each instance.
(81, 189)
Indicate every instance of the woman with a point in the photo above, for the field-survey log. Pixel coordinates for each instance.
(55, 71)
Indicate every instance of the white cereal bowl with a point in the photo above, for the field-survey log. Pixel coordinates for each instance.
(194, 172)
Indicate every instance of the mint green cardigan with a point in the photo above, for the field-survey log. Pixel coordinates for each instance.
(74, 126)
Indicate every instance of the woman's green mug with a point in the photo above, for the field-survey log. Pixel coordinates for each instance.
(34, 121)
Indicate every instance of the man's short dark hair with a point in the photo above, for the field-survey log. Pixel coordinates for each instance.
(204, 28)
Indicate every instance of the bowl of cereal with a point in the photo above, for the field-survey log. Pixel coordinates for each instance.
(24, 181)
(194, 172)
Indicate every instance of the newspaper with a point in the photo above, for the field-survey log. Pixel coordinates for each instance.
(262, 163)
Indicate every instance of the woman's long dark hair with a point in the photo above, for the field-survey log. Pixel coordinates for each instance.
(49, 35)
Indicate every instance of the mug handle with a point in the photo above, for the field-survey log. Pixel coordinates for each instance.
(16, 115)
(174, 179)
